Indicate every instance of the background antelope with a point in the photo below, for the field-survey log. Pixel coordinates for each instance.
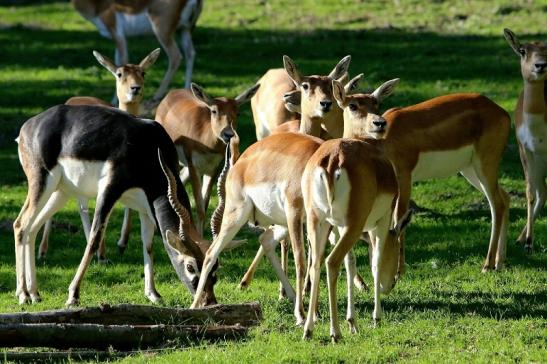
(200, 126)
(464, 133)
(92, 151)
(531, 128)
(130, 91)
(117, 19)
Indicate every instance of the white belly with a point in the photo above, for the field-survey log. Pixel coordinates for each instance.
(83, 178)
(269, 201)
(442, 163)
(532, 134)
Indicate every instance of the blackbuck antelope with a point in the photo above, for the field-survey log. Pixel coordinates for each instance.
(116, 19)
(463, 133)
(531, 128)
(292, 102)
(272, 197)
(349, 184)
(268, 105)
(201, 126)
(97, 152)
(130, 91)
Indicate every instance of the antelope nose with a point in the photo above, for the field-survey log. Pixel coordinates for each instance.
(227, 134)
(135, 89)
(325, 104)
(541, 66)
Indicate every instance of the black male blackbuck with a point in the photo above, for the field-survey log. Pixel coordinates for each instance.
(107, 154)
(531, 128)
(130, 91)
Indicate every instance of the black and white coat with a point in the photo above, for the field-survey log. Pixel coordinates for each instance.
(95, 152)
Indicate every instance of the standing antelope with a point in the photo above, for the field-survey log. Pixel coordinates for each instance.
(531, 128)
(117, 19)
(463, 133)
(200, 127)
(92, 151)
(351, 185)
(130, 91)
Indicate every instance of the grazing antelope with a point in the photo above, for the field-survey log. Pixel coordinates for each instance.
(130, 91)
(268, 104)
(92, 151)
(531, 128)
(292, 101)
(351, 185)
(463, 133)
(117, 19)
(200, 126)
(267, 196)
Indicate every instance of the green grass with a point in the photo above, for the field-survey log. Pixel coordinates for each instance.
(443, 310)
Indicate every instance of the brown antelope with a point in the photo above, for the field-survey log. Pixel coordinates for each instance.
(267, 196)
(91, 151)
(351, 185)
(130, 91)
(117, 19)
(200, 126)
(268, 106)
(531, 128)
(463, 133)
(292, 100)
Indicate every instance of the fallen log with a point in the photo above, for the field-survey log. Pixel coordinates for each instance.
(248, 314)
(119, 337)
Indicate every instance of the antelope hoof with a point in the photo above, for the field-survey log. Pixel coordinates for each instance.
(282, 294)
(243, 285)
(42, 256)
(23, 298)
(377, 322)
(335, 338)
(486, 268)
(155, 298)
(35, 297)
(103, 261)
(528, 247)
(121, 249)
(307, 335)
(352, 326)
(72, 302)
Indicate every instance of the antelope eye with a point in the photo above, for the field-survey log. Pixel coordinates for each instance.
(119, 74)
(190, 268)
(213, 111)
(352, 107)
(305, 86)
(522, 51)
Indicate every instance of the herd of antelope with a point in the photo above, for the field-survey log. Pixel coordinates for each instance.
(326, 159)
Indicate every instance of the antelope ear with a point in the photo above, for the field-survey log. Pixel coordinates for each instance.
(512, 40)
(150, 59)
(385, 89)
(339, 93)
(292, 101)
(341, 68)
(174, 242)
(353, 84)
(247, 94)
(200, 94)
(105, 62)
(292, 71)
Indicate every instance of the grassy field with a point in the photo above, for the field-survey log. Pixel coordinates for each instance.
(443, 309)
